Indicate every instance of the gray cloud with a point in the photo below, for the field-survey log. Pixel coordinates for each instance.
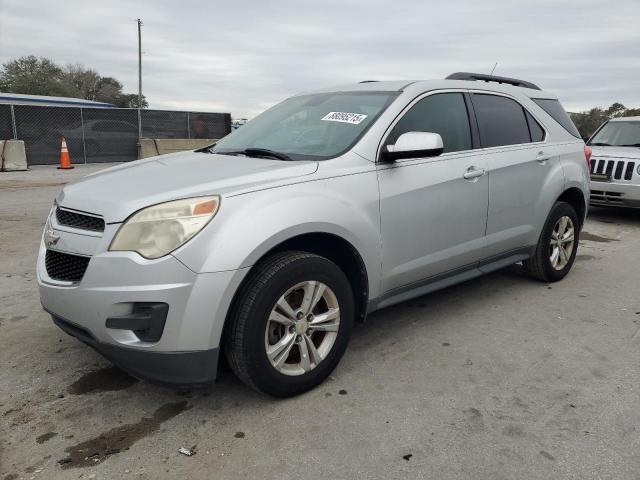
(243, 57)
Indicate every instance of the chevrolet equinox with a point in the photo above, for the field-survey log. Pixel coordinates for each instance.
(268, 245)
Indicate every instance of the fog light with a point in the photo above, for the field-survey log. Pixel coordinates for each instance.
(146, 321)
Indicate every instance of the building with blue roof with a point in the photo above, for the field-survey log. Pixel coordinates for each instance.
(43, 101)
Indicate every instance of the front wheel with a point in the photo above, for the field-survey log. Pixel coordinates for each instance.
(290, 324)
(557, 245)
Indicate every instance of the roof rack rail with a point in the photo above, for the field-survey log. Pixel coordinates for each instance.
(481, 77)
(368, 81)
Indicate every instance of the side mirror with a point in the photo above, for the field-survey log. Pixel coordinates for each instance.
(414, 145)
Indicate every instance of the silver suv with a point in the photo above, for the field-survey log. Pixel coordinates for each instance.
(615, 166)
(268, 245)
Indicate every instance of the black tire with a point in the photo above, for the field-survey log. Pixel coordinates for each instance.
(539, 265)
(244, 338)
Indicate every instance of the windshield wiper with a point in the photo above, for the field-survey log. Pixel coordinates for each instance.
(631, 145)
(207, 149)
(257, 152)
(265, 152)
(600, 144)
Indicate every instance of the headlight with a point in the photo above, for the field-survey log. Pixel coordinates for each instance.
(158, 230)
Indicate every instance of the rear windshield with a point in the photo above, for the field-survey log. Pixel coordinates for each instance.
(557, 112)
(310, 127)
(617, 134)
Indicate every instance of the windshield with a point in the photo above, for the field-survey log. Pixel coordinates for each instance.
(618, 134)
(310, 127)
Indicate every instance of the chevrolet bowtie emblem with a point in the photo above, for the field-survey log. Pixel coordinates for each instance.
(50, 238)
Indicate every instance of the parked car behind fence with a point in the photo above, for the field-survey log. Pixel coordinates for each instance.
(101, 134)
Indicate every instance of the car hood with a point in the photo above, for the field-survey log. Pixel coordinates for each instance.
(616, 152)
(117, 192)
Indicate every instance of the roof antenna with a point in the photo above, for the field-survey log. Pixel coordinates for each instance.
(493, 69)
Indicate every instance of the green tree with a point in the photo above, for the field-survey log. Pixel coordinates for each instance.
(40, 76)
(82, 82)
(131, 101)
(615, 110)
(33, 76)
(588, 122)
(108, 89)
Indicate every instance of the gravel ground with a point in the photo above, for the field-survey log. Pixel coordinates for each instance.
(498, 378)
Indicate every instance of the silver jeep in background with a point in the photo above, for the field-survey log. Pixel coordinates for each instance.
(615, 163)
(268, 245)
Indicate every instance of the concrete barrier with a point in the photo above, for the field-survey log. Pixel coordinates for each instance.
(150, 147)
(12, 156)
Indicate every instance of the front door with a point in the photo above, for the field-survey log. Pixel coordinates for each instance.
(433, 210)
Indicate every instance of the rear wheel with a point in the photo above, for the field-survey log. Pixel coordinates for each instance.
(557, 246)
(290, 324)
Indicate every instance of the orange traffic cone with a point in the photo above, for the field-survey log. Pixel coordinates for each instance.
(65, 159)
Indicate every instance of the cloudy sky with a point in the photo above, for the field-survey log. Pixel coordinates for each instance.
(244, 56)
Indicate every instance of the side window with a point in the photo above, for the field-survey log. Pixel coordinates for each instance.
(444, 113)
(536, 131)
(501, 120)
(558, 113)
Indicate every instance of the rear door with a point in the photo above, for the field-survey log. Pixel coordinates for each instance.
(521, 165)
(433, 219)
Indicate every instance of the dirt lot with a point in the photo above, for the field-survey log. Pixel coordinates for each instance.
(500, 377)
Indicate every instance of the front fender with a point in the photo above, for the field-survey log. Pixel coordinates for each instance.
(249, 225)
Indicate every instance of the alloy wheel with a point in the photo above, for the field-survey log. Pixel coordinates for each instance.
(562, 242)
(302, 328)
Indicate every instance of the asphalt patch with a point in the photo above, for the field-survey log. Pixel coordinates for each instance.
(45, 436)
(94, 451)
(596, 238)
(103, 380)
(547, 455)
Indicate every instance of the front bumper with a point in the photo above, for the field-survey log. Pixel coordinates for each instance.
(165, 368)
(115, 283)
(611, 194)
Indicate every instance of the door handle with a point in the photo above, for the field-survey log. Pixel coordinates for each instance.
(473, 173)
(542, 157)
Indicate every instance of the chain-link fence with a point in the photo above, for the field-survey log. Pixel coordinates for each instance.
(101, 134)
(6, 125)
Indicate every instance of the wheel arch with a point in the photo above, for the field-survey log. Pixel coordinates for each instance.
(574, 197)
(331, 246)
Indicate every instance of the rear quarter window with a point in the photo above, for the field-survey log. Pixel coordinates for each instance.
(537, 132)
(558, 113)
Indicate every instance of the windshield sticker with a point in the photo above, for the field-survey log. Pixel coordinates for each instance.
(344, 117)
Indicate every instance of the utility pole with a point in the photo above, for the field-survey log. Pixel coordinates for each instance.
(139, 63)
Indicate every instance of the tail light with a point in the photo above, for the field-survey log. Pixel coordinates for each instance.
(587, 155)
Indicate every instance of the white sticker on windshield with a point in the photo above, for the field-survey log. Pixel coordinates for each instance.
(344, 117)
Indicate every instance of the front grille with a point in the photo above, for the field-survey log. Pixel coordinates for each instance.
(617, 169)
(65, 267)
(79, 220)
(614, 198)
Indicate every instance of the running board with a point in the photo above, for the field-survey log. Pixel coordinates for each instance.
(447, 279)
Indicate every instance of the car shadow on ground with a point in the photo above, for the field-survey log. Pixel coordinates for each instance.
(392, 329)
(366, 336)
(620, 216)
